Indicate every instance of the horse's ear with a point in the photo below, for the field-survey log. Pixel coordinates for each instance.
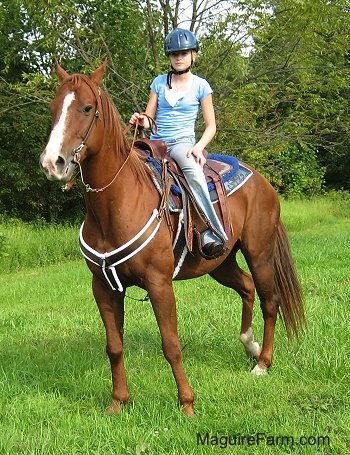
(97, 75)
(61, 73)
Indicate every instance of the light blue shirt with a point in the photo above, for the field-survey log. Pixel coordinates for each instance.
(178, 120)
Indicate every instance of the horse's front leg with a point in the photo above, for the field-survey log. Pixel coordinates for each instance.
(111, 306)
(164, 306)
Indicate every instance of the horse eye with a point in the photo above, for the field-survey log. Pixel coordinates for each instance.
(87, 109)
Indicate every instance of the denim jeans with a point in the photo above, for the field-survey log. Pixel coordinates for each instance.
(195, 178)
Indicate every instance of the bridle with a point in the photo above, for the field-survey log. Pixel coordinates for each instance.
(82, 144)
(88, 189)
(77, 156)
(76, 153)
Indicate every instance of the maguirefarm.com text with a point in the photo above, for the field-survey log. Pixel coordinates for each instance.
(260, 439)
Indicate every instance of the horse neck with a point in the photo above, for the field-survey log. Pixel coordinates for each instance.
(110, 149)
(102, 166)
(119, 211)
(128, 198)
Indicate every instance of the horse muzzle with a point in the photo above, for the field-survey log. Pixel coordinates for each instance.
(57, 168)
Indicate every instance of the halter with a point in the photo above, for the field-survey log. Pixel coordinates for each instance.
(77, 155)
(82, 144)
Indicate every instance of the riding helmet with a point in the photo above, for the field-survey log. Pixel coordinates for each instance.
(180, 40)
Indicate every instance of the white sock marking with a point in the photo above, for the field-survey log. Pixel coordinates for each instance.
(252, 347)
(258, 371)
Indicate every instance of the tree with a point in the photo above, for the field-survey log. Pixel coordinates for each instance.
(76, 33)
(279, 69)
(280, 102)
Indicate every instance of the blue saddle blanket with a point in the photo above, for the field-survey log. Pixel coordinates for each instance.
(235, 176)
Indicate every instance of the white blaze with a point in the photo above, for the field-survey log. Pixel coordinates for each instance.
(53, 147)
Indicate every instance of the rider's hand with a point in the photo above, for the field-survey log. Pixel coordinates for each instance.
(197, 152)
(137, 116)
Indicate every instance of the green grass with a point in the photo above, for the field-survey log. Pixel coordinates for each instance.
(55, 379)
(33, 245)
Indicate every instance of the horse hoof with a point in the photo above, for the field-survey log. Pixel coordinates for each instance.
(187, 409)
(258, 371)
(115, 407)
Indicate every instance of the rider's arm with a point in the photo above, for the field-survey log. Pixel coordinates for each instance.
(209, 121)
(209, 131)
(150, 111)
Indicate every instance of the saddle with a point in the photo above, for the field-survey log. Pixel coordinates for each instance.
(182, 199)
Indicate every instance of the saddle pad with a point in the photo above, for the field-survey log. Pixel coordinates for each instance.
(235, 176)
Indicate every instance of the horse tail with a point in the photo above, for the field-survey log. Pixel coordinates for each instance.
(288, 286)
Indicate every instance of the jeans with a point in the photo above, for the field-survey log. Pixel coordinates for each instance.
(195, 178)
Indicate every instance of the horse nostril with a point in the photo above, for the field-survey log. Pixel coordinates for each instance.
(60, 162)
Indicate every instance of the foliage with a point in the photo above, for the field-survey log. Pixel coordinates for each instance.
(26, 94)
(279, 69)
(3, 246)
(26, 245)
(292, 168)
(291, 92)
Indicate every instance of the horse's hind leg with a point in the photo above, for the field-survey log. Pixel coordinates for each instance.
(229, 274)
(261, 266)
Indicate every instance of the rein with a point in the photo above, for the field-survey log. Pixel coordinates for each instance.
(88, 188)
(77, 155)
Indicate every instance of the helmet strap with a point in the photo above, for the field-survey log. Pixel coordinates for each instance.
(173, 71)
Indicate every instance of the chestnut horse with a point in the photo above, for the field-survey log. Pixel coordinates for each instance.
(125, 228)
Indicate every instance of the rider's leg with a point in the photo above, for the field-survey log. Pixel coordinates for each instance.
(195, 178)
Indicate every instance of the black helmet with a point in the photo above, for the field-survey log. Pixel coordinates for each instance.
(180, 40)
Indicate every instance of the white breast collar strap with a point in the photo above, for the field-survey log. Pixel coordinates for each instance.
(109, 261)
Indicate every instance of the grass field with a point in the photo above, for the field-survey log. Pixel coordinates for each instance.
(55, 379)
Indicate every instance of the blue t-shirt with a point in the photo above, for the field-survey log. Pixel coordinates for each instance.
(177, 120)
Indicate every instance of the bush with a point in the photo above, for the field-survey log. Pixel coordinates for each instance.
(292, 169)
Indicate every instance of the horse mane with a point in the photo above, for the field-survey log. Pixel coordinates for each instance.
(113, 128)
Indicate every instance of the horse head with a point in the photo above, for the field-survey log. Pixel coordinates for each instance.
(75, 129)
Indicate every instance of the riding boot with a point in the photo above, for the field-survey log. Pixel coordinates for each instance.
(212, 245)
(214, 238)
